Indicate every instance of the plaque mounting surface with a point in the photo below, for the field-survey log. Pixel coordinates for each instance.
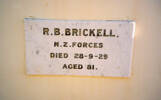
(79, 47)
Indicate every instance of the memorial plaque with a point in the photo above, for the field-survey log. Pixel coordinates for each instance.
(79, 47)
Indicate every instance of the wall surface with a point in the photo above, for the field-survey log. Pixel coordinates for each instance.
(145, 82)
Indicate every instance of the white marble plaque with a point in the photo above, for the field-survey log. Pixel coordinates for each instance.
(79, 47)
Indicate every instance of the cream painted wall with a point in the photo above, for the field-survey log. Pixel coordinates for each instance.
(145, 82)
